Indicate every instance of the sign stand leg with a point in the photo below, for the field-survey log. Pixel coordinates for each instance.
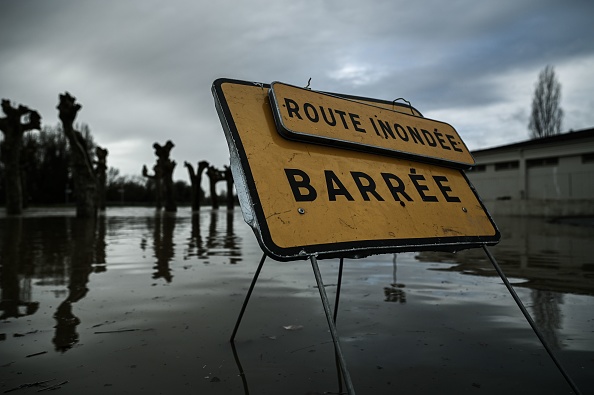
(247, 297)
(338, 290)
(339, 283)
(331, 326)
(240, 368)
(530, 320)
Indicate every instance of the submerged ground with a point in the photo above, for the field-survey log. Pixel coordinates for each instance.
(140, 302)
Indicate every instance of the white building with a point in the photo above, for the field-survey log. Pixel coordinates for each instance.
(551, 176)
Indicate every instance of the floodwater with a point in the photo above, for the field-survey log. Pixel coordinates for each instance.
(142, 302)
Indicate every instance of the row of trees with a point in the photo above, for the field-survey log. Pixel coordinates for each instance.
(62, 164)
(46, 175)
(88, 177)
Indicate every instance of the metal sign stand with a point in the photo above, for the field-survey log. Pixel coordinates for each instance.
(331, 324)
(247, 297)
(530, 320)
(331, 318)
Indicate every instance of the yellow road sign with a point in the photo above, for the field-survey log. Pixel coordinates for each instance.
(316, 117)
(304, 199)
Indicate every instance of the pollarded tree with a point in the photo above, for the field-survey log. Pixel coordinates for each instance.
(166, 166)
(546, 112)
(16, 122)
(214, 175)
(85, 183)
(196, 180)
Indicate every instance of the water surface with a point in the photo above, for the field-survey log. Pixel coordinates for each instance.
(144, 302)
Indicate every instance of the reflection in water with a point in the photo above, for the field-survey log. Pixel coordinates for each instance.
(395, 292)
(212, 240)
(100, 245)
(55, 265)
(81, 258)
(13, 300)
(195, 243)
(231, 242)
(217, 242)
(60, 252)
(163, 226)
(549, 258)
(57, 251)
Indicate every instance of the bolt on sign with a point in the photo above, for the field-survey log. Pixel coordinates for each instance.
(305, 196)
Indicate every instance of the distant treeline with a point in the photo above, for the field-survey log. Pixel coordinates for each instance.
(47, 176)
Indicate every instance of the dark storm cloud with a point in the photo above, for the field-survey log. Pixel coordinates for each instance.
(143, 69)
(481, 39)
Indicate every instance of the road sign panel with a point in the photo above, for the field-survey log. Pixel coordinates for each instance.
(317, 117)
(303, 199)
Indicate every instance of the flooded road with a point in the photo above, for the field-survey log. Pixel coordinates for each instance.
(143, 302)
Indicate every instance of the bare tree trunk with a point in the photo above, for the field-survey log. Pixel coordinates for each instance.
(101, 174)
(165, 167)
(85, 183)
(168, 167)
(196, 181)
(13, 130)
(214, 176)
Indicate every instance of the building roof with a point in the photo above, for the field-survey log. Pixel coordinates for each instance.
(572, 136)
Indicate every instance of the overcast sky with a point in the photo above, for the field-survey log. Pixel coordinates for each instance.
(143, 69)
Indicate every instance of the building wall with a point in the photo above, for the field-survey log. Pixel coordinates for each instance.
(554, 179)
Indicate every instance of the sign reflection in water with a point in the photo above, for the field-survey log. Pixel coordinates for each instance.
(63, 252)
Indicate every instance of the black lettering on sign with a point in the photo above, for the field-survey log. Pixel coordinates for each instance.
(292, 108)
(310, 112)
(332, 180)
(298, 185)
(333, 121)
(395, 189)
(439, 180)
(342, 118)
(401, 132)
(416, 136)
(365, 190)
(386, 128)
(416, 180)
(453, 143)
(375, 128)
(430, 139)
(304, 191)
(356, 123)
(440, 139)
